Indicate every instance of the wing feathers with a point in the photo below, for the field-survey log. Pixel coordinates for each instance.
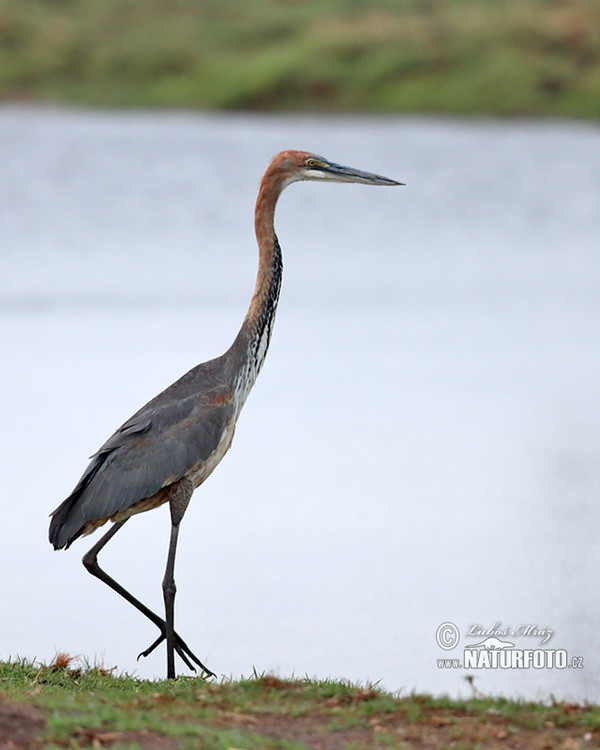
(170, 437)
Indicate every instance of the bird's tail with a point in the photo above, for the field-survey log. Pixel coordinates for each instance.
(60, 533)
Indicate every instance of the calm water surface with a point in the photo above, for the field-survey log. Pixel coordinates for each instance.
(422, 445)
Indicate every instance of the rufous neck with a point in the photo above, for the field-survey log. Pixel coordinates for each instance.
(264, 213)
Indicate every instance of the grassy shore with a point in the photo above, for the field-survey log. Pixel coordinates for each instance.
(500, 57)
(62, 705)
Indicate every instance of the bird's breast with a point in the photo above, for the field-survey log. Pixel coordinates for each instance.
(206, 468)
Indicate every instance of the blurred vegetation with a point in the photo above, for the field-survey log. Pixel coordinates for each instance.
(513, 57)
(66, 705)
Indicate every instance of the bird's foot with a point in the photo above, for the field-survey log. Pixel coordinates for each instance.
(184, 651)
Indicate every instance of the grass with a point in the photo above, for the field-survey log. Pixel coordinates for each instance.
(65, 705)
(500, 57)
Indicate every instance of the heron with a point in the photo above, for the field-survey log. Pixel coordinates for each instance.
(173, 443)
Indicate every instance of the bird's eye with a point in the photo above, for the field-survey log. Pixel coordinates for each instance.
(311, 162)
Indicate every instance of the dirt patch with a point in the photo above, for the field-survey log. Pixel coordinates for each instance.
(440, 729)
(146, 740)
(19, 724)
(312, 732)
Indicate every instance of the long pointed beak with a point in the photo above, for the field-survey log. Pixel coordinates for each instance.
(347, 174)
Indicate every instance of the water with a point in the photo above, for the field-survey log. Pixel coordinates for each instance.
(422, 444)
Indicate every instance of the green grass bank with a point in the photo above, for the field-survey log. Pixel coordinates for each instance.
(497, 57)
(58, 706)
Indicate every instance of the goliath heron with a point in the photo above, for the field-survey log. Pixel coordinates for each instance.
(172, 444)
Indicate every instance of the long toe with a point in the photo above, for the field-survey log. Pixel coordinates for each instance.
(183, 650)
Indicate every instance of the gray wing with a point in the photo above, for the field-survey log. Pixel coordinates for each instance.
(168, 438)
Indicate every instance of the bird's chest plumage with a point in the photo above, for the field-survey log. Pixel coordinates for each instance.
(206, 467)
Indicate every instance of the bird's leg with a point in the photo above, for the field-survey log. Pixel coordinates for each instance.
(178, 503)
(90, 561)
(169, 590)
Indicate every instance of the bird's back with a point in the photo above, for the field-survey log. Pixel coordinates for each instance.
(182, 432)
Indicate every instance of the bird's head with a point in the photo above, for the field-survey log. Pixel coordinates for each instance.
(292, 166)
